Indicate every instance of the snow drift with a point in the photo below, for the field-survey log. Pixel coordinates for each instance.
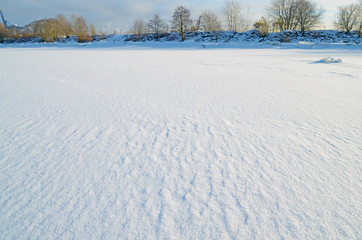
(328, 60)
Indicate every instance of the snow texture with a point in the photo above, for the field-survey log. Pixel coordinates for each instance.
(136, 143)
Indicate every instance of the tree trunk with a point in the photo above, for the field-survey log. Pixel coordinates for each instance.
(182, 29)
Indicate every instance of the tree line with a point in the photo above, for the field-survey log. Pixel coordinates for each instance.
(302, 15)
(52, 29)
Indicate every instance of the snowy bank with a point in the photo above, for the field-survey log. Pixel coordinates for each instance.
(250, 39)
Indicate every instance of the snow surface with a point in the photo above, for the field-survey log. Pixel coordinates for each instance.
(136, 143)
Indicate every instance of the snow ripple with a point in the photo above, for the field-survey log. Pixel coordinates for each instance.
(183, 151)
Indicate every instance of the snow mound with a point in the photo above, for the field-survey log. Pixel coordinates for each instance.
(329, 60)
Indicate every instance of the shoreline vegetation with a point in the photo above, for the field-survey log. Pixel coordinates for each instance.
(252, 36)
(286, 20)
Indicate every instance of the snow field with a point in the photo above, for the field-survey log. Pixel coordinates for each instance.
(180, 144)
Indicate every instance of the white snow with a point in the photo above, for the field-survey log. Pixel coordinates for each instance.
(329, 60)
(149, 143)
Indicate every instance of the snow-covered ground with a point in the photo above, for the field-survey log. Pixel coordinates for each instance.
(136, 143)
(251, 37)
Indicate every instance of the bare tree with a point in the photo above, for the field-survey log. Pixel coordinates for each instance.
(156, 25)
(138, 26)
(247, 23)
(81, 28)
(196, 26)
(308, 14)
(284, 13)
(359, 25)
(92, 29)
(347, 17)
(181, 21)
(209, 21)
(47, 29)
(64, 26)
(233, 15)
(52, 28)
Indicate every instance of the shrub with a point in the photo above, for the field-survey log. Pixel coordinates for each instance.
(262, 26)
(85, 38)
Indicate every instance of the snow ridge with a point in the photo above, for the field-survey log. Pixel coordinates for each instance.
(287, 36)
(222, 37)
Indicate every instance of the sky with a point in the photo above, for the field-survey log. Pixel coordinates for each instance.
(118, 15)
